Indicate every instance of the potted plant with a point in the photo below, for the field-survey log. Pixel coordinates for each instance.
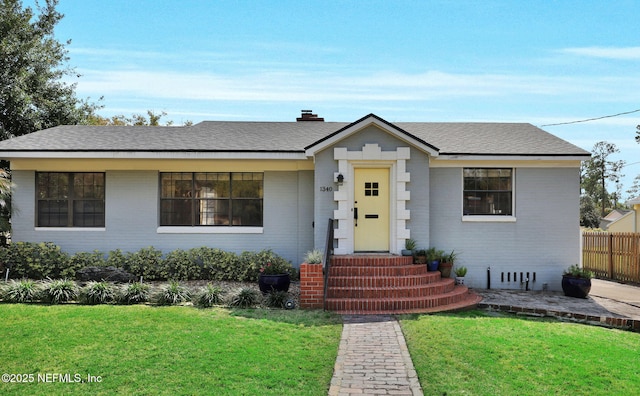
(409, 247)
(446, 263)
(420, 257)
(433, 258)
(460, 272)
(313, 257)
(275, 276)
(576, 282)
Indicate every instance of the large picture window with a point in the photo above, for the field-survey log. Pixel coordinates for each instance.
(211, 199)
(68, 199)
(488, 191)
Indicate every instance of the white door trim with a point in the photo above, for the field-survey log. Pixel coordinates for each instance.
(372, 156)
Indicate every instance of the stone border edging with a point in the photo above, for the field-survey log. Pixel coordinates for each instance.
(606, 321)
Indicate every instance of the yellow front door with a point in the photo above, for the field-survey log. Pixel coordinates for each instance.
(371, 210)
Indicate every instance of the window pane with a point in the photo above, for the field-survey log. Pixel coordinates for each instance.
(53, 185)
(487, 191)
(213, 212)
(213, 185)
(247, 185)
(176, 212)
(88, 185)
(247, 212)
(53, 213)
(176, 185)
(88, 213)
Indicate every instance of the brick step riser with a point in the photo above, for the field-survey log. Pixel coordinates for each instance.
(367, 305)
(379, 282)
(368, 261)
(415, 293)
(406, 270)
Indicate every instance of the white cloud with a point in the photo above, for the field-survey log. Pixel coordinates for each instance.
(622, 53)
(301, 86)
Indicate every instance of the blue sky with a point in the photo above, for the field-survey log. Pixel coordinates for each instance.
(542, 62)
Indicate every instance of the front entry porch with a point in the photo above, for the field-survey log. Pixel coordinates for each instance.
(386, 284)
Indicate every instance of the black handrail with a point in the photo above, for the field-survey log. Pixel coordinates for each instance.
(328, 252)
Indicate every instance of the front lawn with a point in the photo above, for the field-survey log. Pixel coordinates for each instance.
(481, 354)
(144, 350)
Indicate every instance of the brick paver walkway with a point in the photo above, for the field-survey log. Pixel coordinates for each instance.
(373, 359)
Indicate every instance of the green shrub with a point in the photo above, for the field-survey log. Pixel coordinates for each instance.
(116, 259)
(252, 262)
(180, 264)
(59, 291)
(245, 298)
(134, 293)
(97, 293)
(276, 299)
(216, 264)
(146, 262)
(173, 293)
(34, 260)
(22, 291)
(209, 296)
(83, 259)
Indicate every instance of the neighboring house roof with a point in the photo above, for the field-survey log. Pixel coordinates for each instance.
(450, 138)
(634, 201)
(616, 214)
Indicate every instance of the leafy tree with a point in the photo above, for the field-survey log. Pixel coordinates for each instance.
(634, 190)
(135, 120)
(32, 66)
(597, 171)
(589, 217)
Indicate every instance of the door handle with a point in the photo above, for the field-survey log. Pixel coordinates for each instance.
(355, 216)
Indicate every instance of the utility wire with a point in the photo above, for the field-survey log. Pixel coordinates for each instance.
(592, 119)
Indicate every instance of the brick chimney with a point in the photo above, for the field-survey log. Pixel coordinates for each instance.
(307, 115)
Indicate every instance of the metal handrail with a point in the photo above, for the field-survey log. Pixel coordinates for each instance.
(328, 252)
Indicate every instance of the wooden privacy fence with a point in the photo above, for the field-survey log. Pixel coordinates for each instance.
(612, 255)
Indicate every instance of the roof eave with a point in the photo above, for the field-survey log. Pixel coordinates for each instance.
(155, 154)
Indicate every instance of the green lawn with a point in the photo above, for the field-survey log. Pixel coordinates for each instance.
(480, 354)
(143, 350)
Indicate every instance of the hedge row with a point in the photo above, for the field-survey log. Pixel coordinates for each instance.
(46, 260)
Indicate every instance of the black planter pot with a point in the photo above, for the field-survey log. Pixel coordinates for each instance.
(269, 283)
(576, 287)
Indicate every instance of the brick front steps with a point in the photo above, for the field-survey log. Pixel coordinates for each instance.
(387, 284)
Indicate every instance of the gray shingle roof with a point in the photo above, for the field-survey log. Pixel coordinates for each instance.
(230, 136)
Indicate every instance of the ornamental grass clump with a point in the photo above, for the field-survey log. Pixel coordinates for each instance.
(276, 299)
(23, 291)
(134, 293)
(97, 293)
(172, 294)
(59, 291)
(245, 298)
(208, 297)
(314, 257)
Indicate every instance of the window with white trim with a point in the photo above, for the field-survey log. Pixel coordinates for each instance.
(488, 192)
(70, 199)
(211, 199)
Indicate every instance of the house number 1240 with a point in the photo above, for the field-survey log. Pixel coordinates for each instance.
(326, 188)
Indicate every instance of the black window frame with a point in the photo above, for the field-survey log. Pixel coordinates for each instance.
(79, 205)
(182, 205)
(485, 195)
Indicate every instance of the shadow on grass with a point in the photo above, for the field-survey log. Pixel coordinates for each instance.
(298, 317)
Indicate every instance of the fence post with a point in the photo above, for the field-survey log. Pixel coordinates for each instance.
(610, 268)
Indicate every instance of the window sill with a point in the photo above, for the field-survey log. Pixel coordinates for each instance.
(210, 230)
(71, 229)
(489, 219)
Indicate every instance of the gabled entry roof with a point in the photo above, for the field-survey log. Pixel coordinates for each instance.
(241, 139)
(364, 122)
